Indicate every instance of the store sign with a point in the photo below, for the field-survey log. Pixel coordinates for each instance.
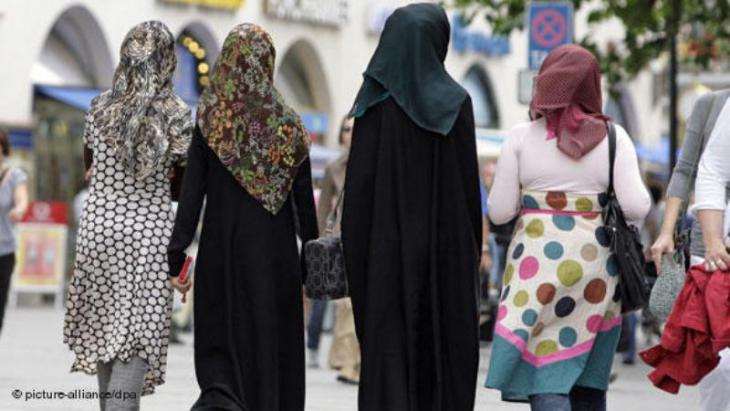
(321, 12)
(464, 40)
(46, 212)
(212, 4)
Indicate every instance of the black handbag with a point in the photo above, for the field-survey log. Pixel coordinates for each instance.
(633, 286)
(325, 263)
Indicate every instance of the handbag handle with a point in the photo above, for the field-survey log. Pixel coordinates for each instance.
(611, 157)
(332, 217)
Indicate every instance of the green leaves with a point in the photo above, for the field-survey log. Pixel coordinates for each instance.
(703, 27)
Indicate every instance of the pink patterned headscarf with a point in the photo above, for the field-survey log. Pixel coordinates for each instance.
(568, 95)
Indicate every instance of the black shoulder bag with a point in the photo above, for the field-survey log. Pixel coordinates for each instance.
(633, 286)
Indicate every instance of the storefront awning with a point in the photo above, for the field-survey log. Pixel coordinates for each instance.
(20, 138)
(78, 97)
(489, 142)
(658, 154)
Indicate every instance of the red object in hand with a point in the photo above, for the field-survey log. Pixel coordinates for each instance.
(183, 277)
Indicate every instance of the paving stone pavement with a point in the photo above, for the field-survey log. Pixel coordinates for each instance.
(33, 357)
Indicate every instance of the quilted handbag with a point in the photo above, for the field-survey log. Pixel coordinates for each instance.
(325, 263)
(667, 286)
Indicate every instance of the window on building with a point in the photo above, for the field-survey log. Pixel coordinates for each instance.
(476, 82)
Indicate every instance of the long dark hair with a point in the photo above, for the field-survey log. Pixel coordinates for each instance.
(4, 142)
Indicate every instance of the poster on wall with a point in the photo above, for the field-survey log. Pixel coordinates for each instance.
(41, 250)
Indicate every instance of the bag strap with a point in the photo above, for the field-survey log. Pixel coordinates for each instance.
(332, 217)
(611, 156)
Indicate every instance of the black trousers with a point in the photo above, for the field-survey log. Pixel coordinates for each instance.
(7, 263)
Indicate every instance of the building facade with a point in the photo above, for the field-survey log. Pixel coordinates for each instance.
(61, 53)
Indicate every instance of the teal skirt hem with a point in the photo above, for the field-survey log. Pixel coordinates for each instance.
(518, 379)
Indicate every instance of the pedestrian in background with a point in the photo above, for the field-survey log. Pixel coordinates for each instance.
(709, 122)
(412, 222)
(13, 204)
(485, 262)
(249, 160)
(117, 320)
(487, 304)
(559, 322)
(345, 350)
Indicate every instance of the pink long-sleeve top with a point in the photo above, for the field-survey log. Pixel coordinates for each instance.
(531, 162)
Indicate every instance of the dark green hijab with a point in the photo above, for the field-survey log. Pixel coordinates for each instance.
(408, 65)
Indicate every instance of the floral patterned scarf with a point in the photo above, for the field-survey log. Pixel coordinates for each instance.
(141, 117)
(246, 122)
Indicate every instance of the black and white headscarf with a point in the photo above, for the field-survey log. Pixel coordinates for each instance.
(140, 117)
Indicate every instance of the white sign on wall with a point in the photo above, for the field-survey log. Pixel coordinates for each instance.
(526, 87)
(322, 12)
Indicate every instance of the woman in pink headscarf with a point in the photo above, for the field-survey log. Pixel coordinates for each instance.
(559, 320)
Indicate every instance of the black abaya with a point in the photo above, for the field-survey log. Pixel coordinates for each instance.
(411, 231)
(249, 349)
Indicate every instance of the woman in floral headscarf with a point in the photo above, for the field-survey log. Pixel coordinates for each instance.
(119, 303)
(559, 320)
(249, 159)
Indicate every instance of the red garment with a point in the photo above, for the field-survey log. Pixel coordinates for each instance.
(696, 331)
(568, 95)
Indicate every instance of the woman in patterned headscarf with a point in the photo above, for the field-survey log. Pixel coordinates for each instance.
(119, 303)
(249, 160)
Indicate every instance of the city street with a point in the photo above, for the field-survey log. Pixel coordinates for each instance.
(32, 357)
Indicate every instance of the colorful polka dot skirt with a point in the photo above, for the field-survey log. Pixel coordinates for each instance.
(559, 320)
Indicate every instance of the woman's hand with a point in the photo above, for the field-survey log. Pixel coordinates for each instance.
(485, 265)
(183, 288)
(15, 215)
(664, 245)
(716, 257)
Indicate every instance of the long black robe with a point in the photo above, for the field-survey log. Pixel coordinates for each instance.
(411, 232)
(249, 348)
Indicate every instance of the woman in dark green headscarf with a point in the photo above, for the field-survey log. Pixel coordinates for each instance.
(411, 226)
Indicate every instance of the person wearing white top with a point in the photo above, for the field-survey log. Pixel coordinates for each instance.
(711, 206)
(710, 202)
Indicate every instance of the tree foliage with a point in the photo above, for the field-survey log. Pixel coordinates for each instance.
(703, 28)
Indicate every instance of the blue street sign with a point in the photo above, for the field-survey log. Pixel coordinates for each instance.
(550, 25)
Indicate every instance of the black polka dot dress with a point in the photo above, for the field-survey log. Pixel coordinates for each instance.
(119, 299)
